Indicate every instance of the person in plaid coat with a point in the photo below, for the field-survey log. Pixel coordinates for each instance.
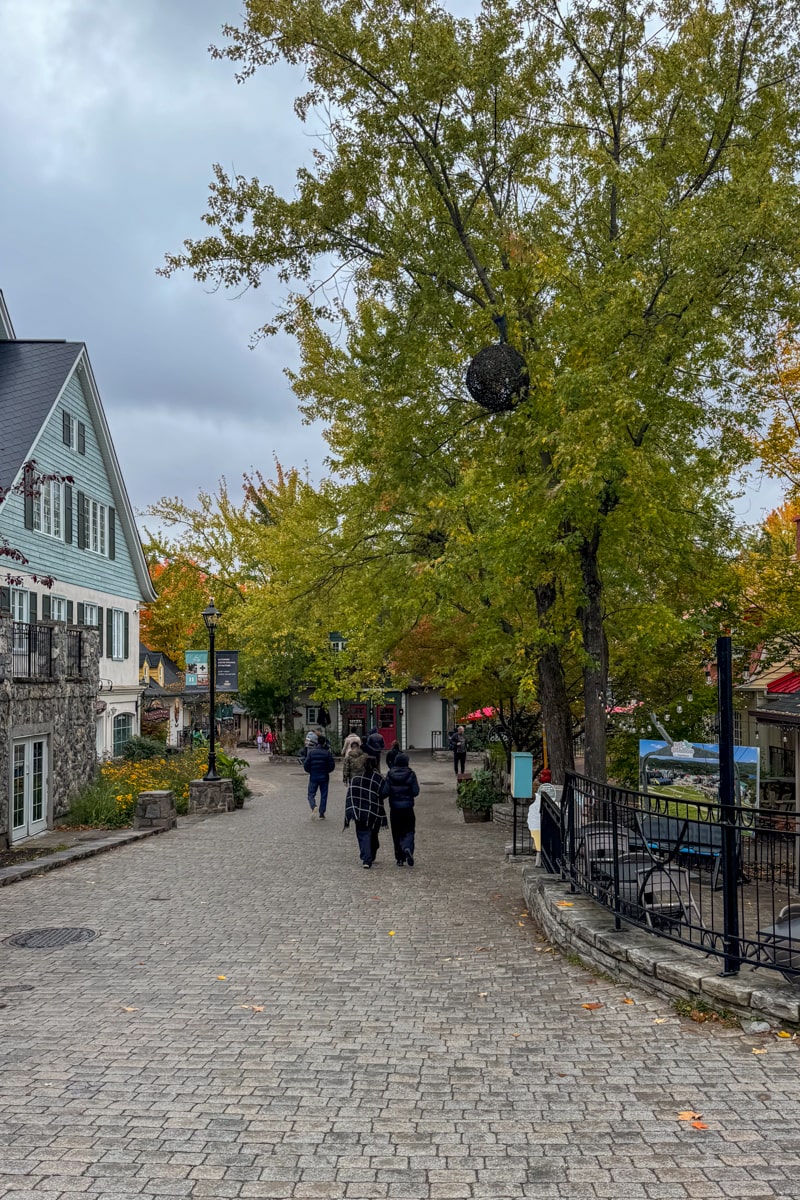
(364, 807)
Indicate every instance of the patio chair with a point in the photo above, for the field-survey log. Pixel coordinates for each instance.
(596, 847)
(665, 897)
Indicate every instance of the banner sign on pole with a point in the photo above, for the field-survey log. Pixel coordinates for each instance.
(197, 669)
(227, 670)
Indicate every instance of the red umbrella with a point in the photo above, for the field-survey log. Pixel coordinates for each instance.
(480, 714)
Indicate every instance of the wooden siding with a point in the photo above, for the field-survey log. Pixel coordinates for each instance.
(50, 556)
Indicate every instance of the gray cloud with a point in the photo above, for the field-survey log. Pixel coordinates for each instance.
(112, 115)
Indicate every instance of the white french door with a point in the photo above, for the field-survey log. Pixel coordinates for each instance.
(28, 787)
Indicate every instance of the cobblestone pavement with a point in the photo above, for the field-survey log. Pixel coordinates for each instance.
(260, 1017)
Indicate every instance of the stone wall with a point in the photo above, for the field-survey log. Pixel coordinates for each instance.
(60, 708)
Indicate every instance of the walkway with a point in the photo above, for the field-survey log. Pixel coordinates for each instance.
(259, 1017)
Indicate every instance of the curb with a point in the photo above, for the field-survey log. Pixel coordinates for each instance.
(62, 858)
(630, 955)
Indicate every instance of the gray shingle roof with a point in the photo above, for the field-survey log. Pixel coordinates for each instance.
(31, 376)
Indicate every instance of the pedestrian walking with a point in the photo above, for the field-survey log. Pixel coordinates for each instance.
(402, 787)
(350, 740)
(318, 765)
(270, 741)
(259, 742)
(364, 806)
(375, 745)
(457, 742)
(392, 754)
(354, 759)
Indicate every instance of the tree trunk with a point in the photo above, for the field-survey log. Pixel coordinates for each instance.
(595, 673)
(553, 697)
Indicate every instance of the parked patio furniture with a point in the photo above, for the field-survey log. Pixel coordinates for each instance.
(596, 846)
(695, 839)
(781, 941)
(665, 897)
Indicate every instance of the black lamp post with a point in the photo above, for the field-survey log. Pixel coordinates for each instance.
(211, 616)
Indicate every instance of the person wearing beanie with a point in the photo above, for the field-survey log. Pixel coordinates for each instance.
(402, 787)
(375, 745)
(318, 765)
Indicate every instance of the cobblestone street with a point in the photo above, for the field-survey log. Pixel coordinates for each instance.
(259, 1017)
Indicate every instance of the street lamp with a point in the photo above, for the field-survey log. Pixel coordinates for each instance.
(211, 616)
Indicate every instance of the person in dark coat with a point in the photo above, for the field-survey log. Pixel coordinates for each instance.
(394, 750)
(318, 765)
(457, 742)
(402, 787)
(375, 745)
(364, 806)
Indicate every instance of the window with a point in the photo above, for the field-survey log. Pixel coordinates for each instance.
(20, 605)
(91, 615)
(58, 608)
(312, 714)
(68, 430)
(737, 729)
(117, 633)
(95, 517)
(47, 510)
(123, 731)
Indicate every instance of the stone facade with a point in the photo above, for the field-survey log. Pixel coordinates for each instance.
(60, 709)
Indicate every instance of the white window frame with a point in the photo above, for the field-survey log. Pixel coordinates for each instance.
(127, 718)
(338, 646)
(117, 634)
(48, 510)
(20, 601)
(58, 608)
(97, 527)
(91, 615)
(312, 714)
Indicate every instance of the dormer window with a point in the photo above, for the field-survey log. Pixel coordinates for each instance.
(73, 432)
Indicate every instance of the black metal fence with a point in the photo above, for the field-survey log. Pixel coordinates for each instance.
(721, 879)
(31, 651)
(74, 653)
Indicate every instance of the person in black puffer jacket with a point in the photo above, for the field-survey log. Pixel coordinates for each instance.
(402, 787)
(318, 764)
(375, 745)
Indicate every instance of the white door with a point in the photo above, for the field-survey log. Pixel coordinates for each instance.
(28, 788)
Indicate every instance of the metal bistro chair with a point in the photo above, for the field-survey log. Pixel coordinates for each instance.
(665, 897)
(596, 847)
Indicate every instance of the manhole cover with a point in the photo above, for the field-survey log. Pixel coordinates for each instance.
(50, 939)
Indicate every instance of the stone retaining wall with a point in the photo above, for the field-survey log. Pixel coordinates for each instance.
(576, 924)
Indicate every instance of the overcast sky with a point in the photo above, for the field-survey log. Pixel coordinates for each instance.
(112, 113)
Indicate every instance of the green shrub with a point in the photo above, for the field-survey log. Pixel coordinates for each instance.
(234, 769)
(480, 792)
(138, 749)
(97, 806)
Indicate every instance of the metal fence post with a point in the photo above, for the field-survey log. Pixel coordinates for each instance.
(728, 814)
(569, 795)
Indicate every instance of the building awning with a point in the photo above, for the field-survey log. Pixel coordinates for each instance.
(771, 716)
(787, 685)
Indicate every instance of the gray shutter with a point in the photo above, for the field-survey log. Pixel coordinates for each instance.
(81, 521)
(45, 607)
(33, 616)
(5, 599)
(109, 632)
(68, 514)
(100, 630)
(126, 636)
(112, 533)
(81, 620)
(70, 612)
(66, 428)
(27, 493)
(81, 438)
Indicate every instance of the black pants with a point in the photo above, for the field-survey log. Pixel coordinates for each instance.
(403, 826)
(368, 843)
(459, 761)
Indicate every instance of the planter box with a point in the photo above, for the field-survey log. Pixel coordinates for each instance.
(474, 815)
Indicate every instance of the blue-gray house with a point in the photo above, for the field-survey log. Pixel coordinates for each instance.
(82, 534)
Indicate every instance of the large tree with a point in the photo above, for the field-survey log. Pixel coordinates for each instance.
(612, 189)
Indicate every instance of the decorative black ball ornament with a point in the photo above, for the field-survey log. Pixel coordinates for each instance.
(497, 377)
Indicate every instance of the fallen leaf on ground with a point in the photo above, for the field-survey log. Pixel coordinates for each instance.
(628, 1000)
(479, 948)
(522, 923)
(698, 1125)
(783, 1033)
(659, 1020)
(689, 1115)
(130, 1010)
(222, 977)
(483, 994)
(757, 1051)
(565, 904)
(593, 1004)
(515, 1035)
(391, 933)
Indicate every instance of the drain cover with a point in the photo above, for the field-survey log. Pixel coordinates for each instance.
(50, 939)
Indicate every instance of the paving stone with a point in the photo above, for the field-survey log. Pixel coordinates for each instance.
(451, 1061)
